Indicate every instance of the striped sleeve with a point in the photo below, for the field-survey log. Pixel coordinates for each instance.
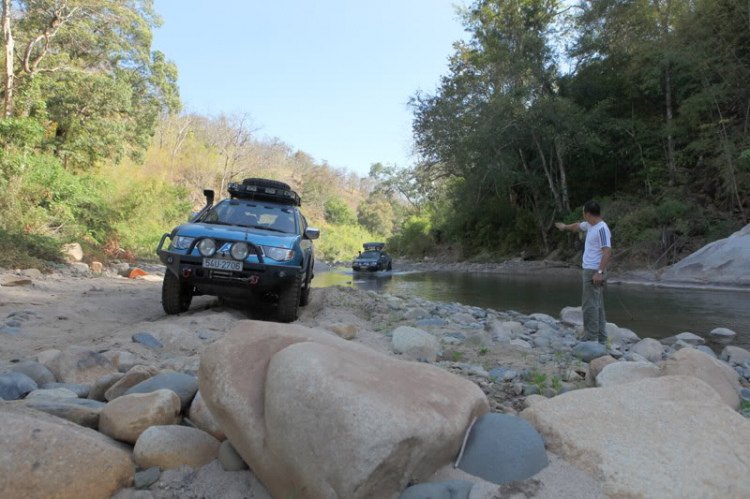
(604, 237)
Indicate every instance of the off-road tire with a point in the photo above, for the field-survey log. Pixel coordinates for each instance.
(175, 296)
(262, 182)
(289, 301)
(390, 266)
(304, 297)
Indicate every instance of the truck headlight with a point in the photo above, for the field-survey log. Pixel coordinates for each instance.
(182, 242)
(239, 251)
(278, 254)
(207, 247)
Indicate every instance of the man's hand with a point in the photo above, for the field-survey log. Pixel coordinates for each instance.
(598, 279)
(561, 226)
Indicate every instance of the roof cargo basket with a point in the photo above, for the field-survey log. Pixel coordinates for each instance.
(264, 190)
(373, 246)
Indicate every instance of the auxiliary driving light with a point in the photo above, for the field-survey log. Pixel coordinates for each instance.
(207, 247)
(239, 251)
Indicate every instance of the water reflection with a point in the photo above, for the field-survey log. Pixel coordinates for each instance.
(656, 312)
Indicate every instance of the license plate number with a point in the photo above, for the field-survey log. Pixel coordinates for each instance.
(218, 264)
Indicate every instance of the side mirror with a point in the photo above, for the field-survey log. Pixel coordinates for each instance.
(312, 233)
(191, 216)
(209, 193)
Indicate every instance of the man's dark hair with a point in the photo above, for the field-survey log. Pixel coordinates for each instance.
(592, 208)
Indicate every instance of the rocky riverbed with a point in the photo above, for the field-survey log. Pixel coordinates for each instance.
(90, 361)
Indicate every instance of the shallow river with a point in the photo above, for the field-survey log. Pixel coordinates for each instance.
(649, 311)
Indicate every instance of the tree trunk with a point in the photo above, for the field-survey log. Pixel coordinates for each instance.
(664, 20)
(535, 206)
(563, 176)
(550, 179)
(9, 55)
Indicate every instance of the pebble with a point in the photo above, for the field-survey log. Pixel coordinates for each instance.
(206, 336)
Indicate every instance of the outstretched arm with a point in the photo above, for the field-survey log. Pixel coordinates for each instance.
(576, 227)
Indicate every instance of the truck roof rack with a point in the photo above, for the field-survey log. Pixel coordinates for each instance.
(263, 193)
(373, 246)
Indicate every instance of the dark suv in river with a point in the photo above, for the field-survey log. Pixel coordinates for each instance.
(373, 258)
(254, 244)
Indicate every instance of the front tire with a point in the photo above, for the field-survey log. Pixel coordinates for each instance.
(304, 298)
(289, 301)
(390, 266)
(175, 296)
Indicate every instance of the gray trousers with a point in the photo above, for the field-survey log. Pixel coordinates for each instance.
(594, 321)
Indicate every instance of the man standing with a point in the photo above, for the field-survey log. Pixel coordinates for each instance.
(596, 256)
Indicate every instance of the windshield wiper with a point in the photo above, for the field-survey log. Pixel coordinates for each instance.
(217, 222)
(266, 228)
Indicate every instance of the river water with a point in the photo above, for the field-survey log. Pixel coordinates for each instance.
(648, 311)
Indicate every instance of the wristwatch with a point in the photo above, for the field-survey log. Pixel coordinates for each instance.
(599, 271)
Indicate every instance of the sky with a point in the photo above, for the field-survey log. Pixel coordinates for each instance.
(329, 77)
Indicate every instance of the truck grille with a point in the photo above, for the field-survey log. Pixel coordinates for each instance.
(221, 274)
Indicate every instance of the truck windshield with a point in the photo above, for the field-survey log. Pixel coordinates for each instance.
(252, 214)
(370, 255)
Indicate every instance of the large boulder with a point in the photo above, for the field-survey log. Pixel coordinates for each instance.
(81, 390)
(14, 386)
(46, 456)
(726, 262)
(286, 395)
(619, 373)
(173, 446)
(735, 355)
(415, 343)
(649, 348)
(503, 448)
(80, 365)
(627, 436)
(184, 385)
(36, 371)
(697, 364)
(596, 366)
(136, 375)
(620, 335)
(572, 316)
(589, 350)
(201, 417)
(126, 417)
(83, 412)
(103, 384)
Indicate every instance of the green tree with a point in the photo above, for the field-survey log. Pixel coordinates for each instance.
(375, 214)
(337, 212)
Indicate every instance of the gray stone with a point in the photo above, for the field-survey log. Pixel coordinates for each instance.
(206, 336)
(83, 412)
(431, 322)
(498, 372)
(449, 489)
(532, 325)
(531, 390)
(517, 388)
(651, 349)
(572, 316)
(147, 340)
(81, 389)
(415, 343)
(589, 350)
(722, 334)
(183, 385)
(735, 355)
(690, 338)
(520, 343)
(679, 345)
(509, 375)
(229, 459)
(103, 384)
(547, 319)
(36, 371)
(61, 393)
(10, 331)
(458, 336)
(503, 448)
(707, 350)
(541, 342)
(144, 479)
(745, 394)
(14, 386)
(618, 373)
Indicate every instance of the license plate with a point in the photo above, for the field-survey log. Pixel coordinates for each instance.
(218, 264)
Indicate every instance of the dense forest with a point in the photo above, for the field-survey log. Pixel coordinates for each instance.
(643, 105)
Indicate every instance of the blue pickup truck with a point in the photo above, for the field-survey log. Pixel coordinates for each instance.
(254, 244)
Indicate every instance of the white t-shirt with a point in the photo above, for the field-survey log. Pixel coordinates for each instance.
(597, 237)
